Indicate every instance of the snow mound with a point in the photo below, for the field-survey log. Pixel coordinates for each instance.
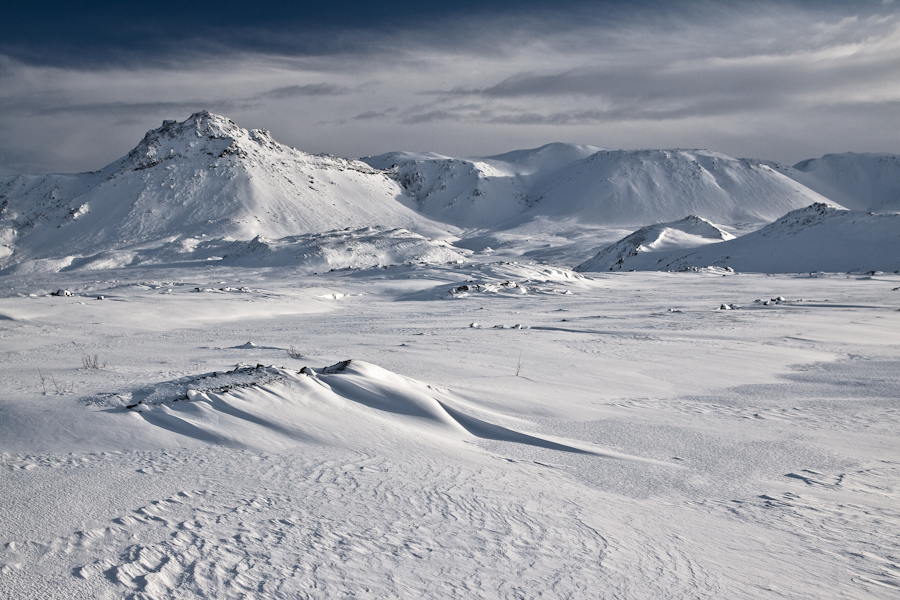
(203, 177)
(690, 232)
(820, 237)
(595, 186)
(349, 403)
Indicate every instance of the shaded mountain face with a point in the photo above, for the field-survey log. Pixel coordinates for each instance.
(595, 186)
(859, 181)
(201, 178)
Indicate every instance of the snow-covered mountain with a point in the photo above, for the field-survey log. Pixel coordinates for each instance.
(820, 237)
(595, 186)
(632, 251)
(478, 192)
(207, 190)
(204, 178)
(856, 181)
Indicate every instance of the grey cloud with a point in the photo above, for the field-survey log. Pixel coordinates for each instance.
(310, 89)
(371, 114)
(109, 108)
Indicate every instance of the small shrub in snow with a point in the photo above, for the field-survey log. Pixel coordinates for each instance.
(60, 389)
(92, 362)
(294, 352)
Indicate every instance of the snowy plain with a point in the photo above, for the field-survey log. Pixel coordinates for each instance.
(583, 440)
(232, 369)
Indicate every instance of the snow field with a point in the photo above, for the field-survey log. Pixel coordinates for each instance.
(748, 453)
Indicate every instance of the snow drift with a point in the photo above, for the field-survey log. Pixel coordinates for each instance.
(351, 402)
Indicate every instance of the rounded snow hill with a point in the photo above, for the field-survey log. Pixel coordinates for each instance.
(861, 181)
(594, 186)
(202, 178)
(820, 237)
(638, 251)
(635, 187)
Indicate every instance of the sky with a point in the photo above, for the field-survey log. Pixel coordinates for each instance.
(81, 82)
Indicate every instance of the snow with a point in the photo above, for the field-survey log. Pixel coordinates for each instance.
(605, 447)
(690, 232)
(202, 178)
(820, 237)
(858, 181)
(265, 391)
(595, 186)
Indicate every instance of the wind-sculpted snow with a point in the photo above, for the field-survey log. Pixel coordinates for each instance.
(271, 409)
(820, 237)
(627, 440)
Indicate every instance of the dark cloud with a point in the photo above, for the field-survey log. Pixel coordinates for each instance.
(107, 33)
(464, 77)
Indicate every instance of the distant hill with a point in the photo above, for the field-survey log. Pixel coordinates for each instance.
(641, 249)
(205, 189)
(856, 181)
(820, 237)
(595, 186)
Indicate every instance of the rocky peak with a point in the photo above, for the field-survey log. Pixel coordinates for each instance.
(201, 133)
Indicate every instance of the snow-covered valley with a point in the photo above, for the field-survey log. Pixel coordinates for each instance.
(236, 370)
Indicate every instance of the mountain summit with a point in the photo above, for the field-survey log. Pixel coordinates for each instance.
(201, 133)
(202, 178)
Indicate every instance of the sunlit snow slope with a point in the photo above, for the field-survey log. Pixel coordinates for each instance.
(201, 178)
(820, 237)
(595, 186)
(652, 240)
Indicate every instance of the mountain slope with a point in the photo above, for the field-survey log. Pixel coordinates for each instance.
(594, 186)
(820, 237)
(201, 178)
(633, 251)
(856, 181)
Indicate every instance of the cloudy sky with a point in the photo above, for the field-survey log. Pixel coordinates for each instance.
(81, 82)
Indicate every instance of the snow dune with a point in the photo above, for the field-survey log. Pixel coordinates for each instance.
(272, 409)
